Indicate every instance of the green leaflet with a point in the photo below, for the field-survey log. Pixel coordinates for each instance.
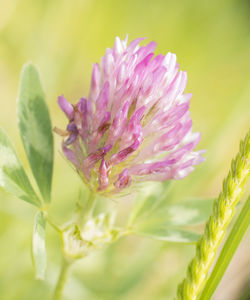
(188, 212)
(35, 128)
(172, 222)
(142, 208)
(12, 175)
(38, 245)
(147, 205)
(169, 234)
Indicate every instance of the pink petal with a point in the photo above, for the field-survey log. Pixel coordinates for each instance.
(70, 155)
(166, 119)
(103, 175)
(118, 124)
(123, 154)
(123, 181)
(66, 107)
(133, 130)
(93, 158)
(143, 64)
(99, 132)
(107, 63)
(101, 103)
(81, 118)
(132, 46)
(95, 83)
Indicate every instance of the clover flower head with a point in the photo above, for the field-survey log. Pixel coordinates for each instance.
(135, 124)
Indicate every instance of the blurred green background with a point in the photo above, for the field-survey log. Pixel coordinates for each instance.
(63, 38)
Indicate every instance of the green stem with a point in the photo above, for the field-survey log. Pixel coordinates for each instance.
(87, 210)
(50, 221)
(230, 246)
(61, 280)
(223, 211)
(53, 224)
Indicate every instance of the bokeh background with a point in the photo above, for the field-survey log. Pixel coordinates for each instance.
(63, 38)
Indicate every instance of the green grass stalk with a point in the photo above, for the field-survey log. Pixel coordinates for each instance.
(223, 211)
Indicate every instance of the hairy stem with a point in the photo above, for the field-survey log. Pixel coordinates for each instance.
(223, 211)
(61, 280)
